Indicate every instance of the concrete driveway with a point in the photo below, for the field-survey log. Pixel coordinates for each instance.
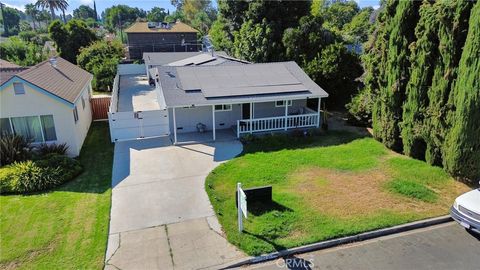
(161, 217)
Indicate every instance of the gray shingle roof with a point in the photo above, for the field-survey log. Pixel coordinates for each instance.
(65, 81)
(190, 58)
(176, 96)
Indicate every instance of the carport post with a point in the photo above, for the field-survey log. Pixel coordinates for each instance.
(213, 118)
(174, 127)
(318, 110)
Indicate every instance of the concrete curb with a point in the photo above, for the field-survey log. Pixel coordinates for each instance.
(342, 241)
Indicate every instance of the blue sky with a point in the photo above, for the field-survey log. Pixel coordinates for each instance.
(144, 4)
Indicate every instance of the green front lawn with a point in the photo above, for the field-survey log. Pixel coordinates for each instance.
(325, 187)
(67, 227)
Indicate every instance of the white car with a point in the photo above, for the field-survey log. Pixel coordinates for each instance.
(466, 210)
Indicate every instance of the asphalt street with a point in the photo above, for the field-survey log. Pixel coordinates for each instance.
(447, 246)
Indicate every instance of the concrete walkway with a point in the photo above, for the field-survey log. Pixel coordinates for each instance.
(161, 217)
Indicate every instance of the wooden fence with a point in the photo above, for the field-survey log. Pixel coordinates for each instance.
(100, 107)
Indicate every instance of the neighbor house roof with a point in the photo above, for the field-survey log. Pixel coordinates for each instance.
(6, 64)
(177, 27)
(190, 59)
(163, 58)
(65, 80)
(8, 69)
(209, 85)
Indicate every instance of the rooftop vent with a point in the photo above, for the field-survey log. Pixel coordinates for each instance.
(53, 62)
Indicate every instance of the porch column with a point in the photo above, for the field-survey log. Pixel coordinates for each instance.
(318, 110)
(251, 115)
(213, 122)
(174, 127)
(286, 113)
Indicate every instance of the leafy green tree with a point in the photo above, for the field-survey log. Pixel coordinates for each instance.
(121, 16)
(338, 14)
(101, 59)
(21, 52)
(359, 28)
(254, 42)
(278, 15)
(11, 21)
(156, 14)
(84, 12)
(69, 38)
(32, 11)
(220, 35)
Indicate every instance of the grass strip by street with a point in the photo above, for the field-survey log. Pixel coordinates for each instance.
(67, 227)
(325, 187)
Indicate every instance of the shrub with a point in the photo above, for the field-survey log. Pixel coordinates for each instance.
(13, 148)
(360, 109)
(30, 176)
(45, 149)
(70, 167)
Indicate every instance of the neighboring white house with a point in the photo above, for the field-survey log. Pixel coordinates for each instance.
(49, 102)
(211, 94)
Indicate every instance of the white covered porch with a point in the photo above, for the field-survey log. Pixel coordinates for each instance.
(247, 118)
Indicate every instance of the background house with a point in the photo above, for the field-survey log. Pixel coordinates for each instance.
(49, 102)
(160, 37)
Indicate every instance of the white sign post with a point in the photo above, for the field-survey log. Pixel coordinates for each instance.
(241, 206)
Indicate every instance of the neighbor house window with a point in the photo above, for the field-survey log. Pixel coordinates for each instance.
(223, 107)
(83, 103)
(5, 127)
(18, 88)
(75, 114)
(281, 103)
(48, 127)
(29, 127)
(34, 128)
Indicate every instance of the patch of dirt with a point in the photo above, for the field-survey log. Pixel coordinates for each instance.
(350, 194)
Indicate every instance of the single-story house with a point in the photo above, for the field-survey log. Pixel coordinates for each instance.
(47, 103)
(246, 98)
(235, 98)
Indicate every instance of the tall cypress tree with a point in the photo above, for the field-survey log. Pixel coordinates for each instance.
(452, 17)
(387, 109)
(462, 151)
(423, 59)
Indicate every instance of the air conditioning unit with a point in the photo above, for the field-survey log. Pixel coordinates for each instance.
(152, 24)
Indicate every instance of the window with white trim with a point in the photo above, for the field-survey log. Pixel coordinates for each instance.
(83, 103)
(281, 103)
(75, 114)
(223, 107)
(5, 127)
(18, 89)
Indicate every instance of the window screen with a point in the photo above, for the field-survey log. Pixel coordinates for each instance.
(18, 88)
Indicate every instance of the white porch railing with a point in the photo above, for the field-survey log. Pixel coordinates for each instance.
(277, 123)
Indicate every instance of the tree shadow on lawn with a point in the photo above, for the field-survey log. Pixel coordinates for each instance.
(290, 141)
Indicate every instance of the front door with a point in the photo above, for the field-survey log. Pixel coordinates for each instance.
(246, 111)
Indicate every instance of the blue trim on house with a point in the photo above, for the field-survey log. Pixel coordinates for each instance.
(15, 78)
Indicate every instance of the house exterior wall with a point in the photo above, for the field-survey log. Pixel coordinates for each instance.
(188, 118)
(84, 117)
(268, 109)
(138, 43)
(34, 103)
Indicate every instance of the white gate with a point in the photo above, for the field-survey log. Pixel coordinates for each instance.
(138, 125)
